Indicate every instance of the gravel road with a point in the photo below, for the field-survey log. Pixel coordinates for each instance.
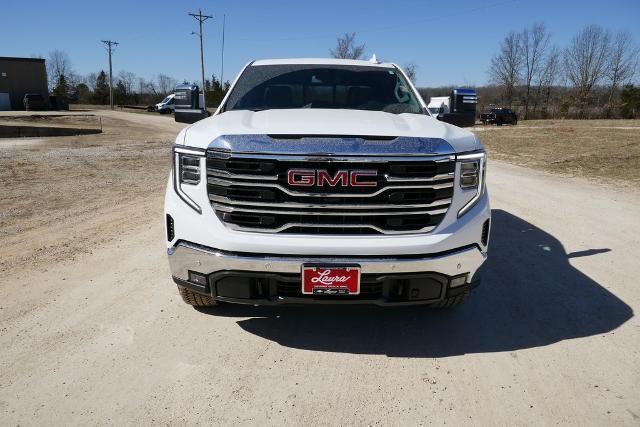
(100, 336)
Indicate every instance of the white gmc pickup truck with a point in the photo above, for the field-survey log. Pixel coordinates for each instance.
(326, 181)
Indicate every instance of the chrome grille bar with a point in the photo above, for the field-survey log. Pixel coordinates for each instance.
(228, 201)
(231, 209)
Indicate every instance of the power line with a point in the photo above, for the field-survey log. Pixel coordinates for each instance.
(201, 18)
(110, 45)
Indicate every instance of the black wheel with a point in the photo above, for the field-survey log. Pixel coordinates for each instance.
(195, 299)
(452, 301)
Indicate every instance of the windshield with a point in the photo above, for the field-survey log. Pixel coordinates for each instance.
(266, 87)
(167, 99)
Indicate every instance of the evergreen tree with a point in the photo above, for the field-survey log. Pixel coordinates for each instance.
(120, 95)
(83, 93)
(101, 93)
(630, 100)
(62, 88)
(214, 91)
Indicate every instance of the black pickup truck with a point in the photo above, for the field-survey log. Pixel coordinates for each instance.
(499, 116)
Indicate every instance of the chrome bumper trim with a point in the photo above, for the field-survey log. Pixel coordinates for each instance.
(187, 256)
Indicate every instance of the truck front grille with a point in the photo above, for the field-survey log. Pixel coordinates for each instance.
(251, 193)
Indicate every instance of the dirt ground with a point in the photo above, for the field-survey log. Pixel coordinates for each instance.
(92, 330)
(60, 192)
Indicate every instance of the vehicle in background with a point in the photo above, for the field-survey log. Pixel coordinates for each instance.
(326, 181)
(438, 105)
(499, 116)
(167, 105)
(34, 102)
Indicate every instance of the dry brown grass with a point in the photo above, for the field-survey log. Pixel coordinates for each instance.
(606, 150)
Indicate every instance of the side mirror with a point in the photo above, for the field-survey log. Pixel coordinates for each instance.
(188, 104)
(190, 115)
(462, 120)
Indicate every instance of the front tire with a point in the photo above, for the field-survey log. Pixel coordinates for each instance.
(195, 299)
(452, 301)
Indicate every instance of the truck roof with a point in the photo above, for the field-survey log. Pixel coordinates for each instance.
(321, 61)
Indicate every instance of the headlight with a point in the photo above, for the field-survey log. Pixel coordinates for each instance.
(472, 176)
(469, 174)
(187, 171)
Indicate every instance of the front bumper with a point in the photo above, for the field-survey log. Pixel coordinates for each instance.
(267, 279)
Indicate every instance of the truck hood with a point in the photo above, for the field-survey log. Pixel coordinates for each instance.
(324, 122)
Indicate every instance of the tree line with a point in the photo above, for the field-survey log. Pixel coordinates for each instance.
(128, 88)
(591, 77)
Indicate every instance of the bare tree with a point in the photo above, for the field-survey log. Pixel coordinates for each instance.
(623, 60)
(411, 70)
(546, 76)
(128, 79)
(346, 47)
(147, 87)
(505, 66)
(73, 80)
(165, 84)
(58, 64)
(535, 42)
(91, 80)
(585, 61)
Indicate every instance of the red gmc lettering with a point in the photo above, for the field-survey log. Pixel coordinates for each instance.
(301, 177)
(320, 178)
(356, 182)
(340, 176)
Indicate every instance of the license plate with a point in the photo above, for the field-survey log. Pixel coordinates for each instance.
(329, 280)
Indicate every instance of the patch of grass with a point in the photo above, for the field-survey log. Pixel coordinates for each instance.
(607, 150)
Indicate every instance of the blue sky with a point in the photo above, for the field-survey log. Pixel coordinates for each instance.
(450, 41)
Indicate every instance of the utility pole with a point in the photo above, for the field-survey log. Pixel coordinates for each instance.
(110, 44)
(224, 19)
(201, 18)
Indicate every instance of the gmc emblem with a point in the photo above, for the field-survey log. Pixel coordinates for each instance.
(321, 177)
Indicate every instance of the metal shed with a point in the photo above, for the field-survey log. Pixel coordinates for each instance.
(19, 76)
